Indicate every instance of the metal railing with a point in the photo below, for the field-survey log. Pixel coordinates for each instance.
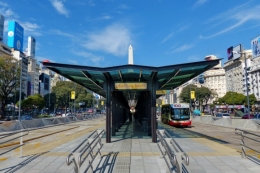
(35, 124)
(10, 136)
(175, 158)
(247, 135)
(86, 148)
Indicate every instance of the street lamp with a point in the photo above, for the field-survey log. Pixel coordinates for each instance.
(20, 93)
(244, 54)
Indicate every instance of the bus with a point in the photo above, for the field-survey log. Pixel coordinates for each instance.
(177, 114)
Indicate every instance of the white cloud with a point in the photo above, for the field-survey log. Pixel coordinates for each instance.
(89, 56)
(183, 48)
(31, 28)
(235, 17)
(8, 13)
(199, 3)
(3, 4)
(59, 6)
(114, 39)
(174, 33)
(59, 32)
(194, 58)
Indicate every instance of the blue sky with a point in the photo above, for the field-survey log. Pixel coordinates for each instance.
(161, 32)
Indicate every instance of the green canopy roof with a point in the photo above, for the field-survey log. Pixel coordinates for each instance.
(168, 77)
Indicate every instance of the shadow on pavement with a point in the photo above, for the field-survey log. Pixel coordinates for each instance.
(22, 164)
(106, 163)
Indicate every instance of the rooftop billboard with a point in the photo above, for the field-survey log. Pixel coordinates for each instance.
(15, 36)
(2, 20)
(31, 46)
(255, 45)
(237, 49)
(230, 53)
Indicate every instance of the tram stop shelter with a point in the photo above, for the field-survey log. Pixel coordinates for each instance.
(132, 87)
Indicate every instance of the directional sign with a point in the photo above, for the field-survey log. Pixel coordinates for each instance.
(161, 92)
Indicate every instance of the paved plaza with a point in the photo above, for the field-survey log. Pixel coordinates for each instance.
(130, 151)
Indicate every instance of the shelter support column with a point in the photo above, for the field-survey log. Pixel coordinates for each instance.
(108, 88)
(153, 107)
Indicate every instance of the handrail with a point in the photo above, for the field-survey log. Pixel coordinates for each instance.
(8, 134)
(177, 159)
(84, 150)
(243, 133)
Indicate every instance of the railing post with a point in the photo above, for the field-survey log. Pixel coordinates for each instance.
(243, 145)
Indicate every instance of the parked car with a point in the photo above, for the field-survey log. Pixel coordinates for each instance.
(248, 116)
(90, 111)
(194, 114)
(26, 117)
(223, 115)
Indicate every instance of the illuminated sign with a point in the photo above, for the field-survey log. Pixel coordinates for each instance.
(126, 86)
(15, 36)
(180, 105)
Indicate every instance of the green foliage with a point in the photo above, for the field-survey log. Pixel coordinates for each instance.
(9, 78)
(62, 93)
(236, 99)
(202, 94)
(252, 99)
(34, 101)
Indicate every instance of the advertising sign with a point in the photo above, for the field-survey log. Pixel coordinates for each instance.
(124, 86)
(237, 49)
(255, 45)
(161, 92)
(180, 105)
(2, 20)
(31, 46)
(15, 36)
(230, 53)
(192, 94)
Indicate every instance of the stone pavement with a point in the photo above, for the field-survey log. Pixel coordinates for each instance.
(132, 151)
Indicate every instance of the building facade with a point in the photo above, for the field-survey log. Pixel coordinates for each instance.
(21, 56)
(235, 73)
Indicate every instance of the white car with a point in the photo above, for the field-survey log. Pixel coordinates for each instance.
(223, 115)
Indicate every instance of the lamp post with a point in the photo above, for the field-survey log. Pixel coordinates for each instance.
(20, 92)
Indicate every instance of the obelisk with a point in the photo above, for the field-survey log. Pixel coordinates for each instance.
(130, 55)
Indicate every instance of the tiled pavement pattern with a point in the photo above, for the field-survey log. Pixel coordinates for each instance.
(130, 151)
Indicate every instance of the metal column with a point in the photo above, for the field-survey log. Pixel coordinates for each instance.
(108, 110)
(153, 107)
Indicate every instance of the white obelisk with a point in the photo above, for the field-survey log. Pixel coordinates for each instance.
(130, 55)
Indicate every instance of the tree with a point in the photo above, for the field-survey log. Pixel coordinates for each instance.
(62, 92)
(252, 99)
(35, 101)
(9, 78)
(185, 93)
(232, 98)
(202, 94)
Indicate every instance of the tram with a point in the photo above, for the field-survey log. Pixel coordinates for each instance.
(177, 114)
